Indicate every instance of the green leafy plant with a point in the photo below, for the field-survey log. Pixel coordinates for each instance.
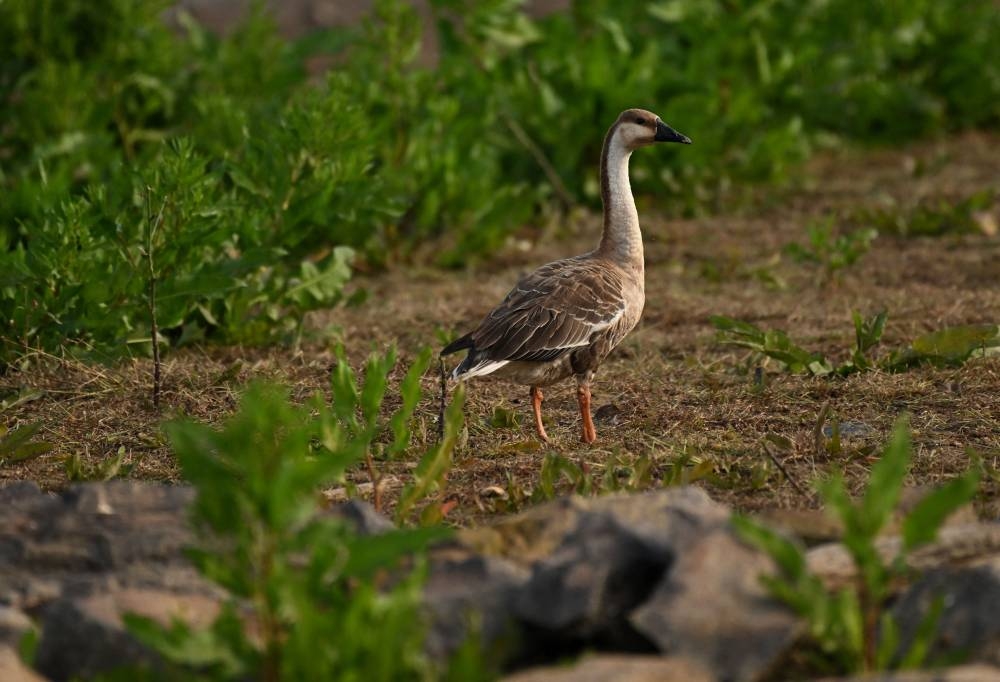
(432, 470)
(77, 469)
(772, 343)
(947, 347)
(356, 425)
(295, 575)
(620, 474)
(830, 251)
(851, 627)
(274, 185)
(867, 334)
(18, 446)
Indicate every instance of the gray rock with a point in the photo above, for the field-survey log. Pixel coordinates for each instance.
(589, 584)
(660, 571)
(77, 643)
(849, 429)
(84, 637)
(962, 673)
(363, 517)
(16, 493)
(467, 593)
(594, 560)
(640, 573)
(969, 623)
(91, 538)
(712, 608)
(611, 668)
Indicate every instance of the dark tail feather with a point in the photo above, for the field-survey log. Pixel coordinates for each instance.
(457, 345)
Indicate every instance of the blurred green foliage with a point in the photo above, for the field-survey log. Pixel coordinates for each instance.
(851, 627)
(269, 181)
(829, 249)
(295, 576)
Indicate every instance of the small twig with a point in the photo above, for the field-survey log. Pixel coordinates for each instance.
(444, 397)
(784, 472)
(565, 198)
(818, 428)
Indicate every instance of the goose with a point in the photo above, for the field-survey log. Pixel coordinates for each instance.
(564, 318)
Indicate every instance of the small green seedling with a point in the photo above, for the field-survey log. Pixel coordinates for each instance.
(830, 251)
(851, 627)
(949, 347)
(18, 446)
(105, 470)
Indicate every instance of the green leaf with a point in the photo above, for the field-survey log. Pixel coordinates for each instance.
(773, 343)
(15, 446)
(180, 644)
(370, 554)
(503, 418)
(916, 655)
(922, 523)
(789, 556)
(868, 332)
(22, 397)
(888, 641)
(377, 371)
(311, 283)
(410, 392)
(436, 462)
(344, 389)
(955, 344)
(886, 481)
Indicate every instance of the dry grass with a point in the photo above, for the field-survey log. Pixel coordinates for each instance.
(677, 393)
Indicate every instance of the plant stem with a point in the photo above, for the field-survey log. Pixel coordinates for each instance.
(818, 429)
(151, 228)
(520, 134)
(565, 198)
(784, 472)
(270, 623)
(869, 615)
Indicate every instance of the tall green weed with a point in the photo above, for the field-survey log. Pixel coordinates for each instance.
(852, 628)
(297, 576)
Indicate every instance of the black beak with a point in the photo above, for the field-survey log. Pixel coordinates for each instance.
(665, 133)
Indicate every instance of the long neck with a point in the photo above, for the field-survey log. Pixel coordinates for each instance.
(621, 239)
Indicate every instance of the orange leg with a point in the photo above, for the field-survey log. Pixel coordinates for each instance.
(583, 397)
(536, 407)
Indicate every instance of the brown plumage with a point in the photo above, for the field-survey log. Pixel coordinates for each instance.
(564, 318)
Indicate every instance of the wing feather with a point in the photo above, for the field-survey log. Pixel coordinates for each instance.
(551, 311)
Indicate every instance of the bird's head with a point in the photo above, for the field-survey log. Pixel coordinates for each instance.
(638, 128)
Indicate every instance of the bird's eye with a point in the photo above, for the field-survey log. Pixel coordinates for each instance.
(641, 121)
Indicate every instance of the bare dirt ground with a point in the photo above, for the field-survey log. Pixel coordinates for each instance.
(670, 396)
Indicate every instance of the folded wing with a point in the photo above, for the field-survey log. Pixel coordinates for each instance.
(551, 312)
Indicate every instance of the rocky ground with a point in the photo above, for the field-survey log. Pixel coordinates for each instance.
(652, 586)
